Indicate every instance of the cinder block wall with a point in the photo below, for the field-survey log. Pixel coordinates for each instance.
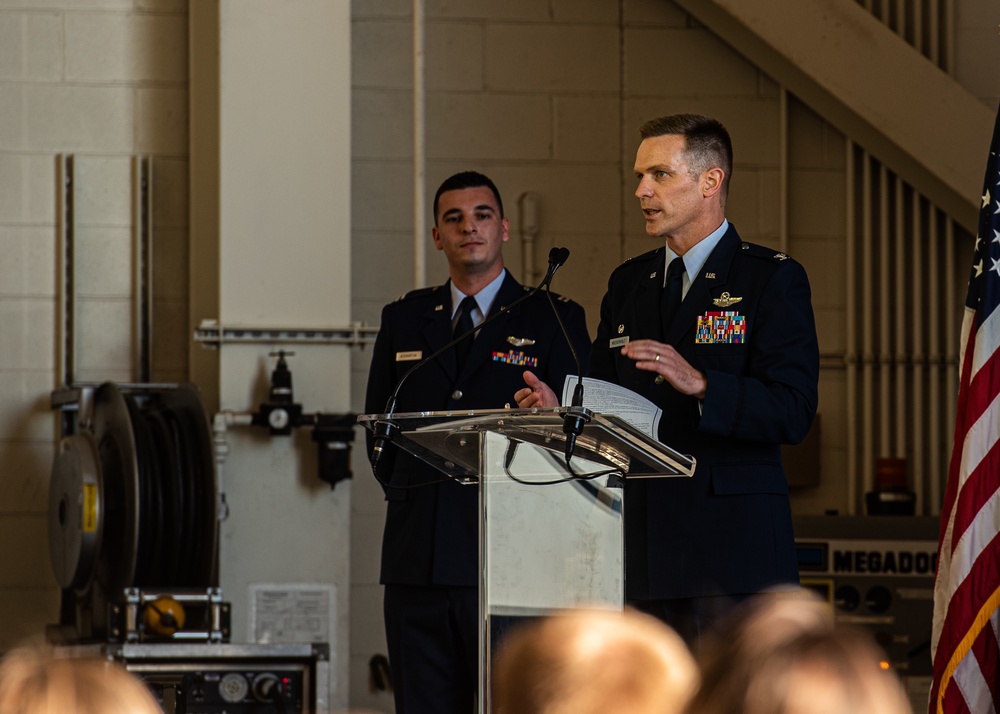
(103, 80)
(545, 97)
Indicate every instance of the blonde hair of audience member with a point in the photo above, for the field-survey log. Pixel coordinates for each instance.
(783, 655)
(35, 681)
(593, 662)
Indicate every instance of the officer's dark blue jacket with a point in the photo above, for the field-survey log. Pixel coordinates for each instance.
(747, 323)
(431, 533)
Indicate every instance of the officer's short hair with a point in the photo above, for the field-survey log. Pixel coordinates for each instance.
(466, 179)
(707, 141)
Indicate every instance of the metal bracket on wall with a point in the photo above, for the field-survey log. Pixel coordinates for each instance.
(66, 235)
(142, 260)
(211, 334)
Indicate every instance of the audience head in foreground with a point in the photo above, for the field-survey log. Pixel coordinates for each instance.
(35, 681)
(782, 655)
(593, 662)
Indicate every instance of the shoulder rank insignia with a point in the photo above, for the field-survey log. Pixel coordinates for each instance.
(763, 251)
(725, 300)
(520, 341)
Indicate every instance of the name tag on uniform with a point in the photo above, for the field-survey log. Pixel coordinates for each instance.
(409, 356)
(619, 342)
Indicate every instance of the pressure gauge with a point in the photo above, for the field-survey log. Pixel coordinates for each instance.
(278, 418)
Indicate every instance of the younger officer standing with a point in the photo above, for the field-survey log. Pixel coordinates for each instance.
(430, 544)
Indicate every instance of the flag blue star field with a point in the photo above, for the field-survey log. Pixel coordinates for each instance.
(964, 635)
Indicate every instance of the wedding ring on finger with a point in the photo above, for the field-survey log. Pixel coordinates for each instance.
(657, 358)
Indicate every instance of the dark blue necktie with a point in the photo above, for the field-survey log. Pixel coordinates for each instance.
(671, 299)
(463, 325)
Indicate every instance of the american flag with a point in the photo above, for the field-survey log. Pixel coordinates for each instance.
(964, 636)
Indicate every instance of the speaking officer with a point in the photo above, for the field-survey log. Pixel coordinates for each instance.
(430, 547)
(720, 334)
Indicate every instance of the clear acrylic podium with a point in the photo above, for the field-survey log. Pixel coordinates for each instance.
(550, 535)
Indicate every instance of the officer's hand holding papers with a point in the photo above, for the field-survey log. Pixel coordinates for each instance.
(609, 398)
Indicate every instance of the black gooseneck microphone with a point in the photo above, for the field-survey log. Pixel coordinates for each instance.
(575, 416)
(384, 431)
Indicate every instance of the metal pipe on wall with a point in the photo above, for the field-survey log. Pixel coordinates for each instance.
(528, 224)
(947, 61)
(851, 343)
(67, 306)
(953, 368)
(919, 255)
(919, 22)
(142, 268)
(934, 327)
(867, 348)
(934, 35)
(884, 366)
(783, 170)
(902, 306)
(419, 146)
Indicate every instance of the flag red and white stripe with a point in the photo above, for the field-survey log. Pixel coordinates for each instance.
(964, 636)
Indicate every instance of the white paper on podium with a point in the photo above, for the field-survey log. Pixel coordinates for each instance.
(609, 398)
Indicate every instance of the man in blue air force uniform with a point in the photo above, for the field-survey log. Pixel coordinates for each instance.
(720, 334)
(430, 549)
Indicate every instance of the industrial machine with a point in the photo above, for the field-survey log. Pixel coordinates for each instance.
(135, 505)
(226, 678)
(134, 510)
(877, 573)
